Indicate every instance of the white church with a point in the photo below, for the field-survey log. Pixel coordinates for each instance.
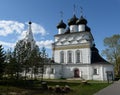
(74, 53)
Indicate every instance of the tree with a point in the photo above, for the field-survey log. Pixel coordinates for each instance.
(28, 55)
(12, 68)
(43, 61)
(35, 61)
(112, 51)
(22, 53)
(2, 59)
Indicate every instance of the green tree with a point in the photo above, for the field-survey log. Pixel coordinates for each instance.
(35, 61)
(29, 57)
(2, 59)
(43, 61)
(112, 51)
(12, 67)
(20, 53)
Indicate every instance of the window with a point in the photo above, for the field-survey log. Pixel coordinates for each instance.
(52, 71)
(95, 71)
(77, 56)
(69, 56)
(61, 57)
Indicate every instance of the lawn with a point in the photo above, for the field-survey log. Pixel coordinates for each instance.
(30, 87)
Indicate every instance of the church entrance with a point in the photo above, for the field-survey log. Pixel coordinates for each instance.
(76, 73)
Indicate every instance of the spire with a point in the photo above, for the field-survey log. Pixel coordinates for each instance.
(29, 34)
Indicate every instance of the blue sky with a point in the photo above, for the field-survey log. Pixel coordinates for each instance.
(103, 18)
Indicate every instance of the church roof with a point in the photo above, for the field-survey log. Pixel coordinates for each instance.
(96, 58)
(61, 24)
(73, 20)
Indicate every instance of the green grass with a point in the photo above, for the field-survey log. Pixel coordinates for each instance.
(34, 87)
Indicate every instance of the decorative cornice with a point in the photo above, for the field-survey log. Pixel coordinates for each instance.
(73, 33)
(71, 47)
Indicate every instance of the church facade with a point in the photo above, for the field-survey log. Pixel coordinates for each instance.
(75, 54)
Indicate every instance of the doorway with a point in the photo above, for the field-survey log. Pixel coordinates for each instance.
(76, 73)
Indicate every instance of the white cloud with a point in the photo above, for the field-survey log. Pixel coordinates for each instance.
(36, 28)
(47, 44)
(7, 44)
(14, 27)
(22, 35)
(9, 27)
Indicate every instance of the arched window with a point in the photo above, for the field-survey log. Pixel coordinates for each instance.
(61, 57)
(69, 57)
(77, 56)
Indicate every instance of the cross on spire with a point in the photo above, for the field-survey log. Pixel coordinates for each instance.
(74, 11)
(81, 11)
(61, 14)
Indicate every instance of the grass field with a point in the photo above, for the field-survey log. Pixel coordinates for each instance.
(30, 87)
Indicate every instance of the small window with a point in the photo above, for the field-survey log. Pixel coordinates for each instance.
(95, 71)
(69, 57)
(77, 56)
(61, 57)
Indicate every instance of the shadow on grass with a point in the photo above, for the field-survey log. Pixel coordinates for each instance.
(34, 87)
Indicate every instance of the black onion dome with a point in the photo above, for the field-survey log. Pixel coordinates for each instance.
(82, 20)
(61, 24)
(30, 22)
(73, 20)
(87, 28)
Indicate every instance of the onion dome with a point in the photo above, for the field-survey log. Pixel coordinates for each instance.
(87, 28)
(82, 20)
(61, 24)
(67, 31)
(73, 20)
(30, 22)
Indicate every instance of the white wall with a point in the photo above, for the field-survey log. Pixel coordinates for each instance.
(85, 71)
(81, 28)
(102, 71)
